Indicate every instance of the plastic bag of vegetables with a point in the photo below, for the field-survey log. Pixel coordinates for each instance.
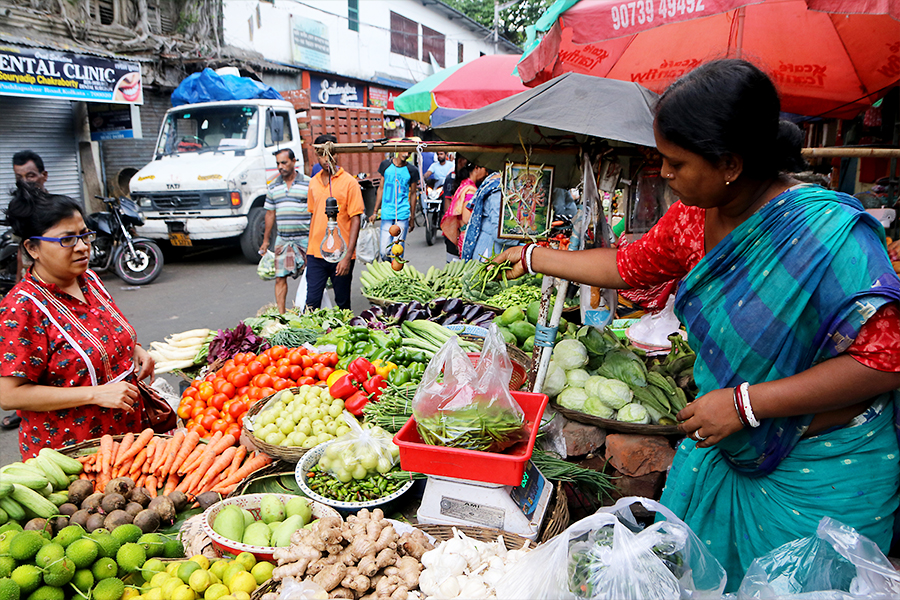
(361, 452)
(266, 266)
(609, 556)
(468, 407)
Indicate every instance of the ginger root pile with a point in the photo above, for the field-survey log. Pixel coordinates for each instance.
(361, 559)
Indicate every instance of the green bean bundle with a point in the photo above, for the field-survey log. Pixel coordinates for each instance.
(393, 409)
(476, 427)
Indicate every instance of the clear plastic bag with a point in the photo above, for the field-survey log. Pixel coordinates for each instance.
(363, 451)
(467, 407)
(836, 563)
(266, 266)
(367, 242)
(292, 589)
(608, 556)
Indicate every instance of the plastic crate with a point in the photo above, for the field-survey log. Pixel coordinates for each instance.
(504, 468)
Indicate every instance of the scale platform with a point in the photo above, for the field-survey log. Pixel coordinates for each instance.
(520, 510)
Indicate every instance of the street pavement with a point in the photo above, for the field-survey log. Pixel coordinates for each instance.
(213, 287)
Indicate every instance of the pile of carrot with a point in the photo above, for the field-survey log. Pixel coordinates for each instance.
(182, 462)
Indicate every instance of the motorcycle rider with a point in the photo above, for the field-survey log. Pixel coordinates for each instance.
(439, 170)
(29, 168)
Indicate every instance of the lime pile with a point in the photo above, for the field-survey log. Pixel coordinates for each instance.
(74, 563)
(198, 578)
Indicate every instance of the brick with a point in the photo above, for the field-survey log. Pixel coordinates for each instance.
(638, 455)
(646, 486)
(582, 439)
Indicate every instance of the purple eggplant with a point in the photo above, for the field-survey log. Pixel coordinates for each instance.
(470, 312)
(436, 306)
(358, 322)
(451, 319)
(454, 306)
(416, 314)
(484, 320)
(416, 305)
(400, 314)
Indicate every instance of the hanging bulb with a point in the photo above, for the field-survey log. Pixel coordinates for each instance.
(333, 246)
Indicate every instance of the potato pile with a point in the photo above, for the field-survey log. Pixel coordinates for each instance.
(121, 503)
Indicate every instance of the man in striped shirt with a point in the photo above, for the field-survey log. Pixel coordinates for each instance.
(286, 206)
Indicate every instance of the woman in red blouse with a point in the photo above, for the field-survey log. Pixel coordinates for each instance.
(790, 302)
(69, 357)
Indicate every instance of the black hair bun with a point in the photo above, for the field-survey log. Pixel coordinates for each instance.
(788, 143)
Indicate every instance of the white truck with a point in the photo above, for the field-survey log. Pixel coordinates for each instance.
(210, 169)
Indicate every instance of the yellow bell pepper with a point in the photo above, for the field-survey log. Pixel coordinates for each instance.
(335, 376)
(385, 368)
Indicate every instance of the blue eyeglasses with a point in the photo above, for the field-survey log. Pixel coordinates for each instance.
(69, 241)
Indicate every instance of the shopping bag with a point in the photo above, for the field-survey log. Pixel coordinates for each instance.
(367, 242)
(468, 407)
(609, 556)
(836, 562)
(359, 452)
(300, 297)
(266, 266)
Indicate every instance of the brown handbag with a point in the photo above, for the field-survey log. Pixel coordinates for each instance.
(160, 415)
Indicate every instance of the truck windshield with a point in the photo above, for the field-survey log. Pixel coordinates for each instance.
(202, 129)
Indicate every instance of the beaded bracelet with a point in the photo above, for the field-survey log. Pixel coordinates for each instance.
(744, 389)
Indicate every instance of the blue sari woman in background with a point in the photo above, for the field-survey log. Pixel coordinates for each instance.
(790, 301)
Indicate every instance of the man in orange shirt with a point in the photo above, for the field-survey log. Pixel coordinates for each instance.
(332, 181)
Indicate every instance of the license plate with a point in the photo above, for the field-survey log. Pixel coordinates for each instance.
(178, 238)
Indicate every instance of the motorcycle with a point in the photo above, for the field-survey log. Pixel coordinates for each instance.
(432, 200)
(136, 260)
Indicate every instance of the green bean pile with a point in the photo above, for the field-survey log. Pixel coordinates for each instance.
(372, 487)
(393, 409)
(401, 289)
(482, 428)
(294, 338)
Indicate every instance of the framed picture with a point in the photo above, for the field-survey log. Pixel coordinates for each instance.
(526, 204)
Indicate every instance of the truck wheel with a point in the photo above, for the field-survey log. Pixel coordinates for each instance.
(252, 237)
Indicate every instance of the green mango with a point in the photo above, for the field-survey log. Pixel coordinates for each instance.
(282, 535)
(522, 330)
(512, 315)
(299, 506)
(508, 336)
(257, 534)
(229, 523)
(271, 509)
(248, 517)
(534, 309)
(528, 346)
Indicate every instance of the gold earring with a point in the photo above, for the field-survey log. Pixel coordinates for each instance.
(727, 182)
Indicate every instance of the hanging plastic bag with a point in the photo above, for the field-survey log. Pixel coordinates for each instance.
(266, 266)
(300, 297)
(469, 408)
(654, 329)
(360, 452)
(367, 242)
(837, 562)
(609, 556)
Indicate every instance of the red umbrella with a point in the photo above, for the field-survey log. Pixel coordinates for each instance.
(827, 57)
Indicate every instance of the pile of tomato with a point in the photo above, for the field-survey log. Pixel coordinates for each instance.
(219, 401)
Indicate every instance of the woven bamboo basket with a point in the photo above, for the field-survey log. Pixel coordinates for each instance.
(269, 586)
(512, 541)
(558, 518)
(614, 425)
(290, 454)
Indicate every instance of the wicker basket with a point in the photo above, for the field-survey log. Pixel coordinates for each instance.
(613, 425)
(290, 454)
(512, 541)
(558, 519)
(269, 586)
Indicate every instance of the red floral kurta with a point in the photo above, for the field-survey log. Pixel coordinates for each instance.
(656, 262)
(34, 347)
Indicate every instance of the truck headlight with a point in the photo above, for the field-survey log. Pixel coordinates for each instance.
(218, 200)
(145, 203)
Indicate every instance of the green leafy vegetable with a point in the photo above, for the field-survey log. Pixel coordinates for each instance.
(573, 398)
(570, 354)
(634, 413)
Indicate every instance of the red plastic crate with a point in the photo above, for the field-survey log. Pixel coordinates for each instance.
(505, 468)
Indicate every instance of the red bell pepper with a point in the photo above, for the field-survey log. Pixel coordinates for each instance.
(374, 385)
(343, 388)
(355, 403)
(361, 369)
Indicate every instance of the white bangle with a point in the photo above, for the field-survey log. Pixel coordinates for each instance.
(745, 402)
(528, 252)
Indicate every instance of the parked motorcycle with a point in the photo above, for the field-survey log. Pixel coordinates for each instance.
(433, 208)
(136, 260)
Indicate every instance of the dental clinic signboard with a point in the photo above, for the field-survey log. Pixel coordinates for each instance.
(49, 74)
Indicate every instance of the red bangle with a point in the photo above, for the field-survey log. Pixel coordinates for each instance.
(739, 406)
(522, 258)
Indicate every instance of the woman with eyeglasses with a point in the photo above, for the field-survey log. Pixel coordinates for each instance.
(70, 360)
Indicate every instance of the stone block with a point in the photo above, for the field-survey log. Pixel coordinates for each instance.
(582, 439)
(638, 455)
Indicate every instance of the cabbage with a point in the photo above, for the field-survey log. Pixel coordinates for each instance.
(634, 413)
(555, 380)
(577, 378)
(595, 406)
(573, 398)
(570, 354)
(612, 392)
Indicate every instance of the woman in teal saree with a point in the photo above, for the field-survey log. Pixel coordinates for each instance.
(785, 287)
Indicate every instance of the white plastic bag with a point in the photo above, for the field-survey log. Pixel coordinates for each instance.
(608, 556)
(300, 298)
(266, 266)
(654, 329)
(835, 563)
(367, 242)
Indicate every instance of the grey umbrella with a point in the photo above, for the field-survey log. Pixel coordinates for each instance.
(567, 112)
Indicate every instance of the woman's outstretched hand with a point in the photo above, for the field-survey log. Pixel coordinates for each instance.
(121, 395)
(711, 416)
(514, 256)
(143, 363)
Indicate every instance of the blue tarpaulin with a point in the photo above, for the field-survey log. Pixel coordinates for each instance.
(209, 86)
